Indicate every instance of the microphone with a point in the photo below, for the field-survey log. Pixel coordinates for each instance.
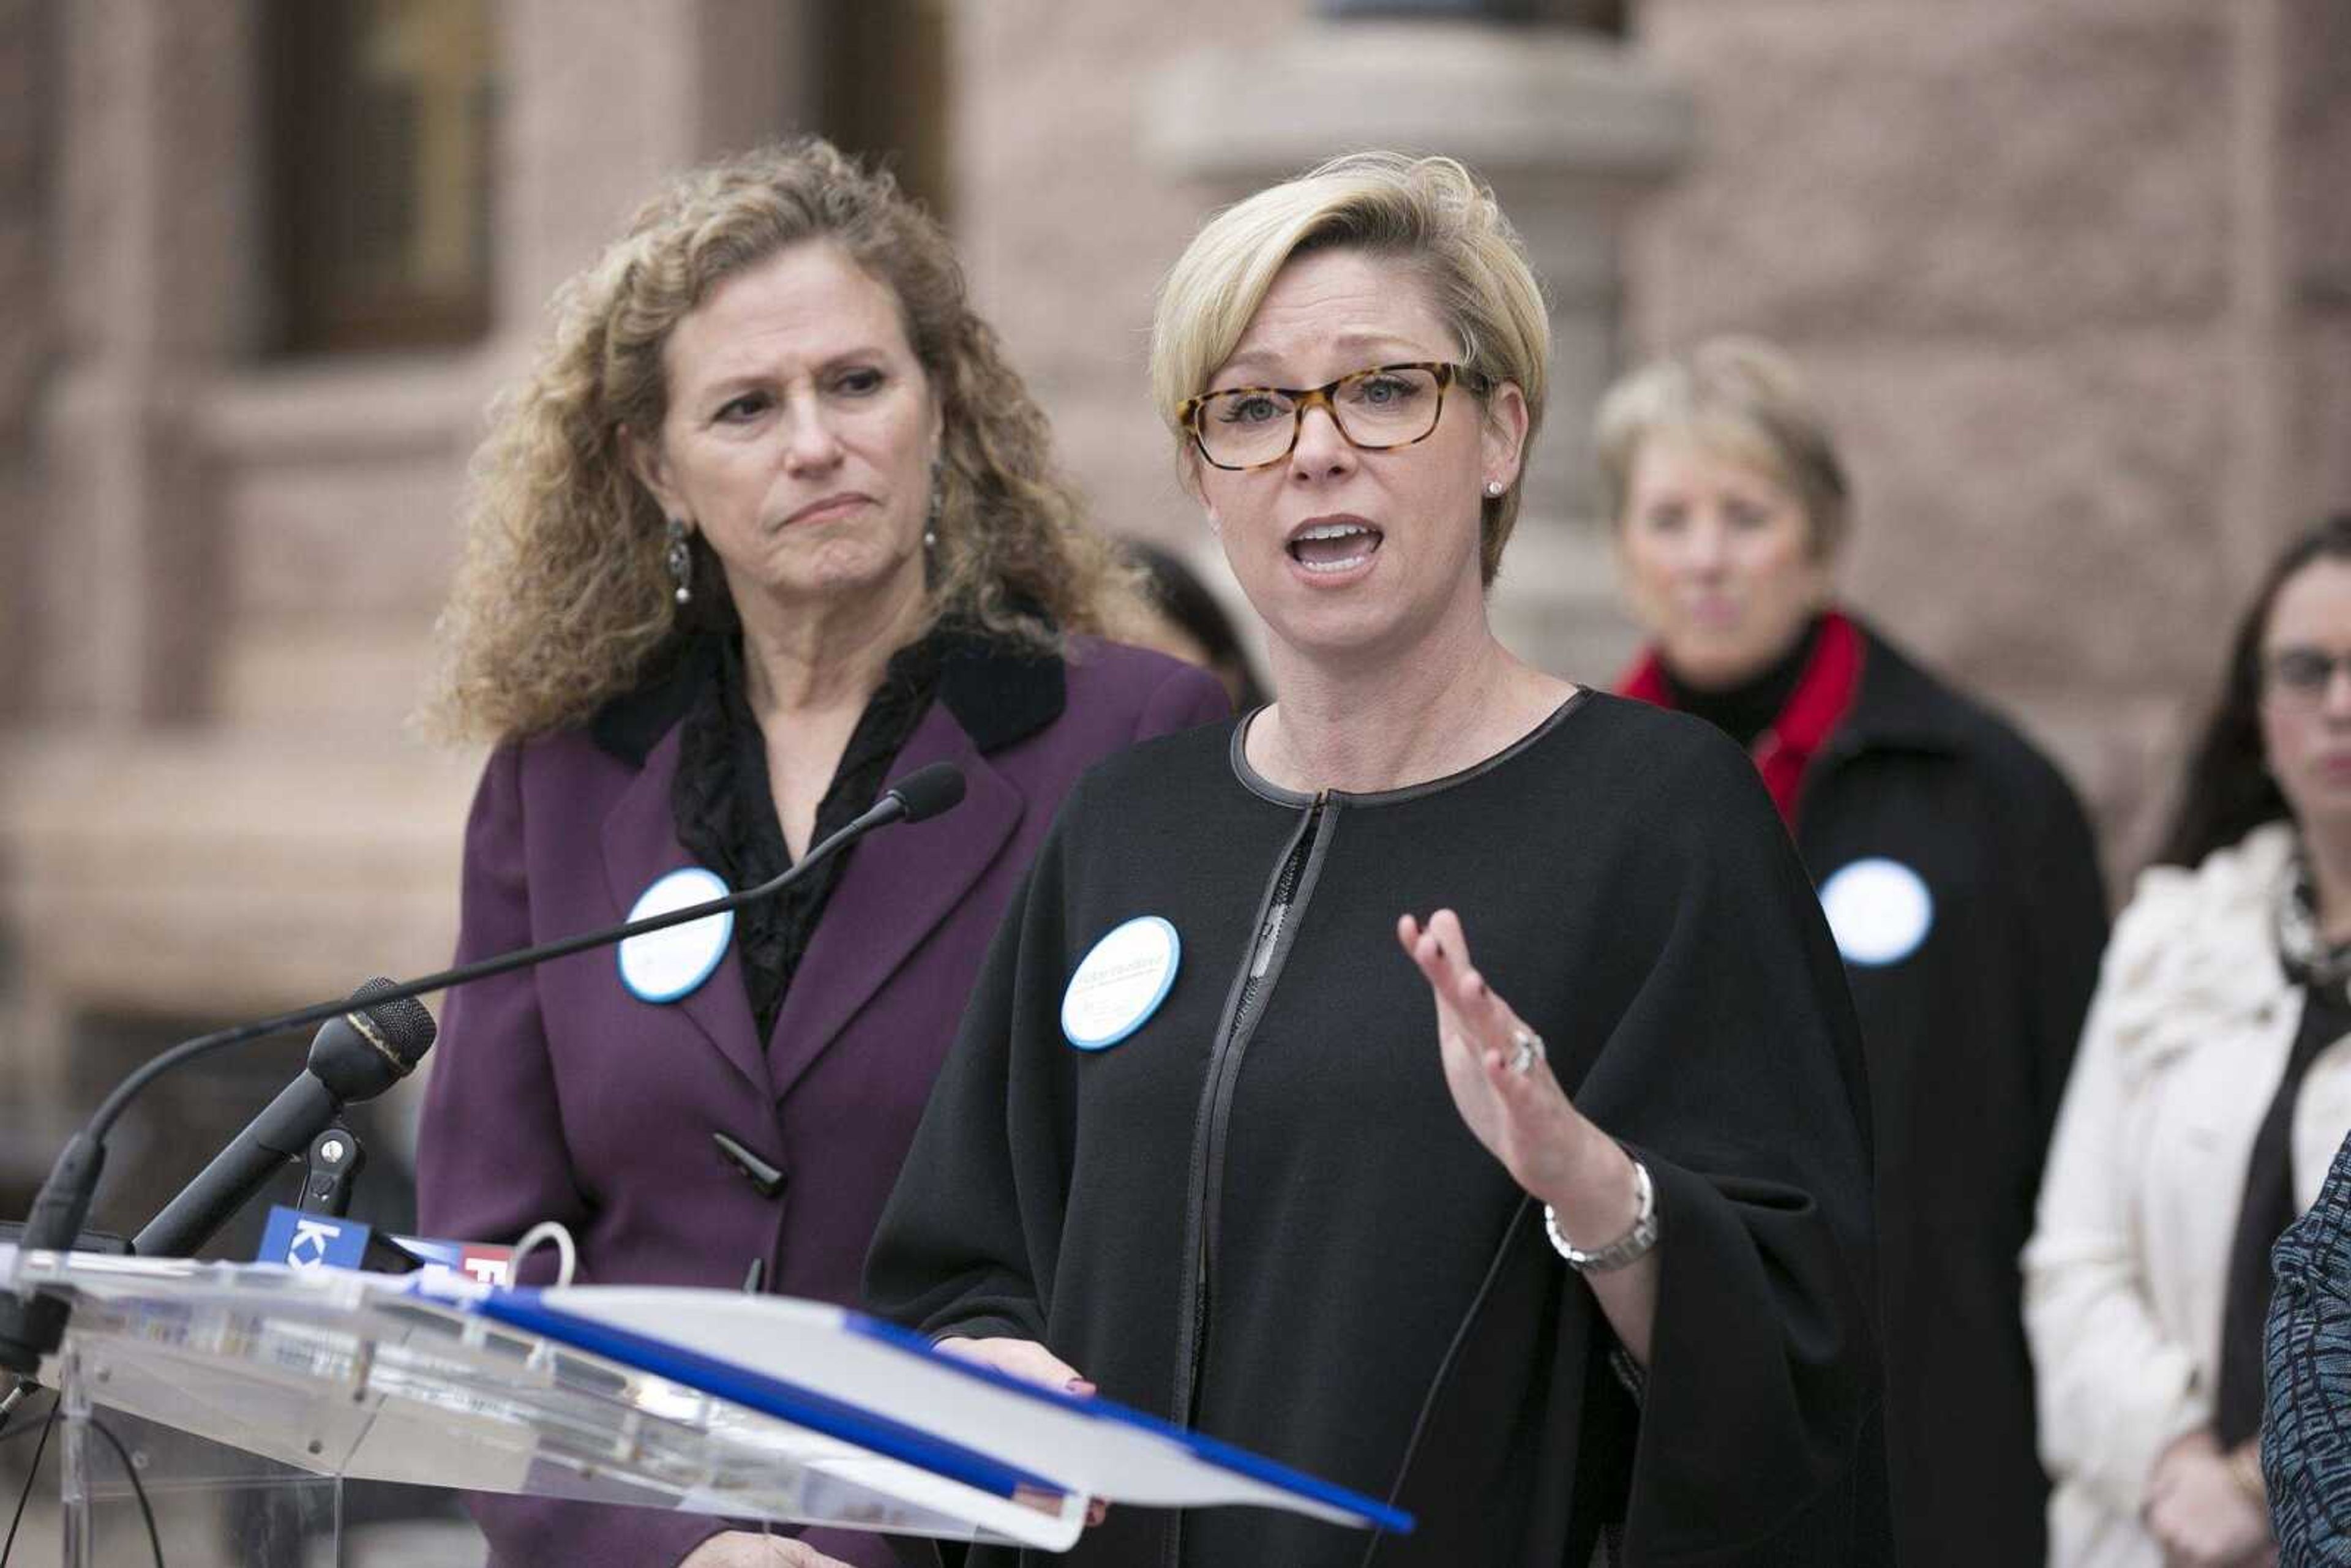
(362, 1053)
(354, 1057)
(32, 1324)
(927, 791)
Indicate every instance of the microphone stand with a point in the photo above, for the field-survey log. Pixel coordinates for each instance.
(32, 1325)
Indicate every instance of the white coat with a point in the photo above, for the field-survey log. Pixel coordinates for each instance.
(2127, 1272)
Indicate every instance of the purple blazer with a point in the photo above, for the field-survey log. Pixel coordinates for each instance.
(557, 1094)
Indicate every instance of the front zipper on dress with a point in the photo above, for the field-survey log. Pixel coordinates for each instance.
(1277, 927)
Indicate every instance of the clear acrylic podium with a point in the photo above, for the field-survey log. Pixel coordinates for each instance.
(245, 1395)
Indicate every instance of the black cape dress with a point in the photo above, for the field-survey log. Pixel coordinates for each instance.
(1262, 1215)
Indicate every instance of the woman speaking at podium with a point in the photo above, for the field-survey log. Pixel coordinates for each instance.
(1441, 1081)
(771, 524)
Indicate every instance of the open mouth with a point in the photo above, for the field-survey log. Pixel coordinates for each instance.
(1334, 547)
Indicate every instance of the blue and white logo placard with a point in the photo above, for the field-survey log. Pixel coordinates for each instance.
(1121, 982)
(302, 1240)
(662, 966)
(1879, 911)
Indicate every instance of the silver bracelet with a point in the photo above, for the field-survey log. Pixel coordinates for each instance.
(1629, 1248)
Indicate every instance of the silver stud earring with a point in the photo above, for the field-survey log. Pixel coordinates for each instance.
(1493, 489)
(680, 561)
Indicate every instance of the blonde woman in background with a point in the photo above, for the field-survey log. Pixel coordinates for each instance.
(772, 524)
(1958, 875)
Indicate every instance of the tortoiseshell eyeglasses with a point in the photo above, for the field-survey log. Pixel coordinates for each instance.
(1386, 406)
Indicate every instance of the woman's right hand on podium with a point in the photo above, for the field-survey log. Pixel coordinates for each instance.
(1025, 1358)
(742, 1549)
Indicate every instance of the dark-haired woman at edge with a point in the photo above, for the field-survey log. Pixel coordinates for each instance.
(2212, 1087)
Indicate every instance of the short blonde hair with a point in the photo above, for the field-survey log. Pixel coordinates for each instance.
(1741, 398)
(1431, 214)
(563, 600)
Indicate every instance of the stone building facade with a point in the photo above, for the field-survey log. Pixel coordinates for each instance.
(2075, 276)
(2076, 280)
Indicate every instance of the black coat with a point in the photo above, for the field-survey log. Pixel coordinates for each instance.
(1261, 1214)
(1969, 1040)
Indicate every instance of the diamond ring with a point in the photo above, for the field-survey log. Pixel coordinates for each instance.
(1527, 1048)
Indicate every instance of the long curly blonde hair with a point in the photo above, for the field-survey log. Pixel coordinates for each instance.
(562, 599)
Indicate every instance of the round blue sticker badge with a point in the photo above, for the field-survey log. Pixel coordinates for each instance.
(1119, 982)
(662, 966)
(1879, 911)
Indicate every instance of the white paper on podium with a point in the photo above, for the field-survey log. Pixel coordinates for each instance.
(1090, 1446)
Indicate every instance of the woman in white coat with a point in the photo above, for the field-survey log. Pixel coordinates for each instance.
(2212, 1086)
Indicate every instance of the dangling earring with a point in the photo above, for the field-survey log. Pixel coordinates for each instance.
(938, 501)
(681, 563)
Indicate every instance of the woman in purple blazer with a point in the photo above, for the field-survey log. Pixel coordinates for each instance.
(771, 525)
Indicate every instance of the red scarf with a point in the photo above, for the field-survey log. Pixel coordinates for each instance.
(1824, 696)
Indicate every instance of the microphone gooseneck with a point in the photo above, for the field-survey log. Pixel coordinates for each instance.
(32, 1324)
(354, 1057)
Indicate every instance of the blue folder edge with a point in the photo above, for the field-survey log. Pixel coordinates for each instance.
(770, 1395)
(521, 1308)
(1256, 1467)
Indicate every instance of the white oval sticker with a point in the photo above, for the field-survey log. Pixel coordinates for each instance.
(1879, 911)
(662, 966)
(1121, 982)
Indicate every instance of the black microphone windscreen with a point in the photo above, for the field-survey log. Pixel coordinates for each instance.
(927, 791)
(405, 1027)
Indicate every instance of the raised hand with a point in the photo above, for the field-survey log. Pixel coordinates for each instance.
(1498, 1071)
(1500, 1076)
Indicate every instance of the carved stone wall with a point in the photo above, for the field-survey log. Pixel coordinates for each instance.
(220, 568)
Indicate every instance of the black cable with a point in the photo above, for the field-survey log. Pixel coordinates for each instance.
(30, 1476)
(889, 809)
(154, 1536)
(130, 1468)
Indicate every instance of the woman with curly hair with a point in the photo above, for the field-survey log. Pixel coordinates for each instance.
(772, 524)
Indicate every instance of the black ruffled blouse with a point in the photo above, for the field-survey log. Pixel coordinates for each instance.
(725, 810)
